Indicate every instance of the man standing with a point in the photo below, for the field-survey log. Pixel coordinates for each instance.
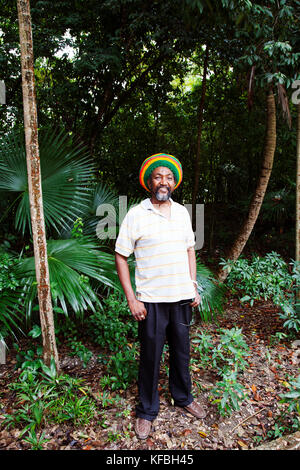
(159, 233)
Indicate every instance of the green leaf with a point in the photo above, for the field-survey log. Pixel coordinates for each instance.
(66, 171)
(35, 331)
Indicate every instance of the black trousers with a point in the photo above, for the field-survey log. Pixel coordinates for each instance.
(164, 321)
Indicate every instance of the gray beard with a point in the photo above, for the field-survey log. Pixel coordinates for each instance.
(162, 197)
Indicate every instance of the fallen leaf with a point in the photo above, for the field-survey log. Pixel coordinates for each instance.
(202, 434)
(257, 397)
(284, 383)
(186, 432)
(242, 444)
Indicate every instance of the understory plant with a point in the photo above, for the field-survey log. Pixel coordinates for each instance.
(43, 397)
(211, 291)
(10, 295)
(292, 399)
(122, 369)
(112, 326)
(226, 356)
(267, 278)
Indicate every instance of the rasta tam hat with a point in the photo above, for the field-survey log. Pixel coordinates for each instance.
(160, 159)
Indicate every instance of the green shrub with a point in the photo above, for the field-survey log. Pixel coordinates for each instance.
(114, 326)
(267, 278)
(260, 278)
(229, 352)
(228, 394)
(292, 397)
(227, 358)
(43, 396)
(123, 368)
(80, 350)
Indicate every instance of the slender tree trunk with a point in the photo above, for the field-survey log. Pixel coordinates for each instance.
(261, 187)
(199, 135)
(34, 184)
(297, 254)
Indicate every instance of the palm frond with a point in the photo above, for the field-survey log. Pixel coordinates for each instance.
(11, 296)
(72, 263)
(66, 172)
(212, 293)
(11, 314)
(94, 220)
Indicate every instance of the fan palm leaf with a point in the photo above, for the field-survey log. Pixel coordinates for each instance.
(72, 264)
(100, 194)
(11, 314)
(211, 291)
(95, 221)
(66, 172)
(11, 296)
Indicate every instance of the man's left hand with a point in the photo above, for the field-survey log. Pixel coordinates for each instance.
(197, 300)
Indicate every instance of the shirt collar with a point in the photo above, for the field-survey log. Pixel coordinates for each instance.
(147, 204)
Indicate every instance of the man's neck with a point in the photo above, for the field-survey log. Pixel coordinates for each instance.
(162, 204)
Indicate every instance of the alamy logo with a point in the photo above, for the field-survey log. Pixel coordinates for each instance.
(2, 352)
(296, 94)
(2, 92)
(107, 226)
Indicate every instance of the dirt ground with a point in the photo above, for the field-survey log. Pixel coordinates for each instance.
(270, 366)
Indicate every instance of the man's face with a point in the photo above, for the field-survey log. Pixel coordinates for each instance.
(162, 183)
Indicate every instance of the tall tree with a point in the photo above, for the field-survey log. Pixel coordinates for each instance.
(199, 135)
(34, 184)
(270, 55)
(262, 183)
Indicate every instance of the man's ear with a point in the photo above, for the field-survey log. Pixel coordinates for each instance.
(149, 182)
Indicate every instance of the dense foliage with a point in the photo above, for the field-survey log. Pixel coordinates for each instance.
(117, 81)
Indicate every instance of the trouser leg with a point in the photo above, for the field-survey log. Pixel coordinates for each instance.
(179, 351)
(171, 320)
(152, 334)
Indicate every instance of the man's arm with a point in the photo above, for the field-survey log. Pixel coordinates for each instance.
(193, 273)
(136, 307)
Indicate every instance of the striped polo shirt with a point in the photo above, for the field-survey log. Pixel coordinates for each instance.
(160, 248)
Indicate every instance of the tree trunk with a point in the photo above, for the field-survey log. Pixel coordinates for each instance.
(261, 187)
(34, 184)
(199, 135)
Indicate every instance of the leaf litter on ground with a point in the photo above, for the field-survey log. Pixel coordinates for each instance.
(265, 379)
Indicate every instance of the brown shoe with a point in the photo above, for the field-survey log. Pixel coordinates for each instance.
(196, 410)
(142, 428)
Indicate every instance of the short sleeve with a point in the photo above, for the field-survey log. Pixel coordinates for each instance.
(125, 241)
(190, 236)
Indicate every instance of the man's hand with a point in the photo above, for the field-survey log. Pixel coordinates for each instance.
(193, 272)
(137, 309)
(196, 301)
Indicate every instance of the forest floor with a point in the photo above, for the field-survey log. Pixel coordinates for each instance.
(271, 364)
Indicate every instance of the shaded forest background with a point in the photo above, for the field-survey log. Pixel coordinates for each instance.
(117, 81)
(124, 79)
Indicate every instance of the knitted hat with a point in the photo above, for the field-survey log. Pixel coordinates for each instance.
(160, 159)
